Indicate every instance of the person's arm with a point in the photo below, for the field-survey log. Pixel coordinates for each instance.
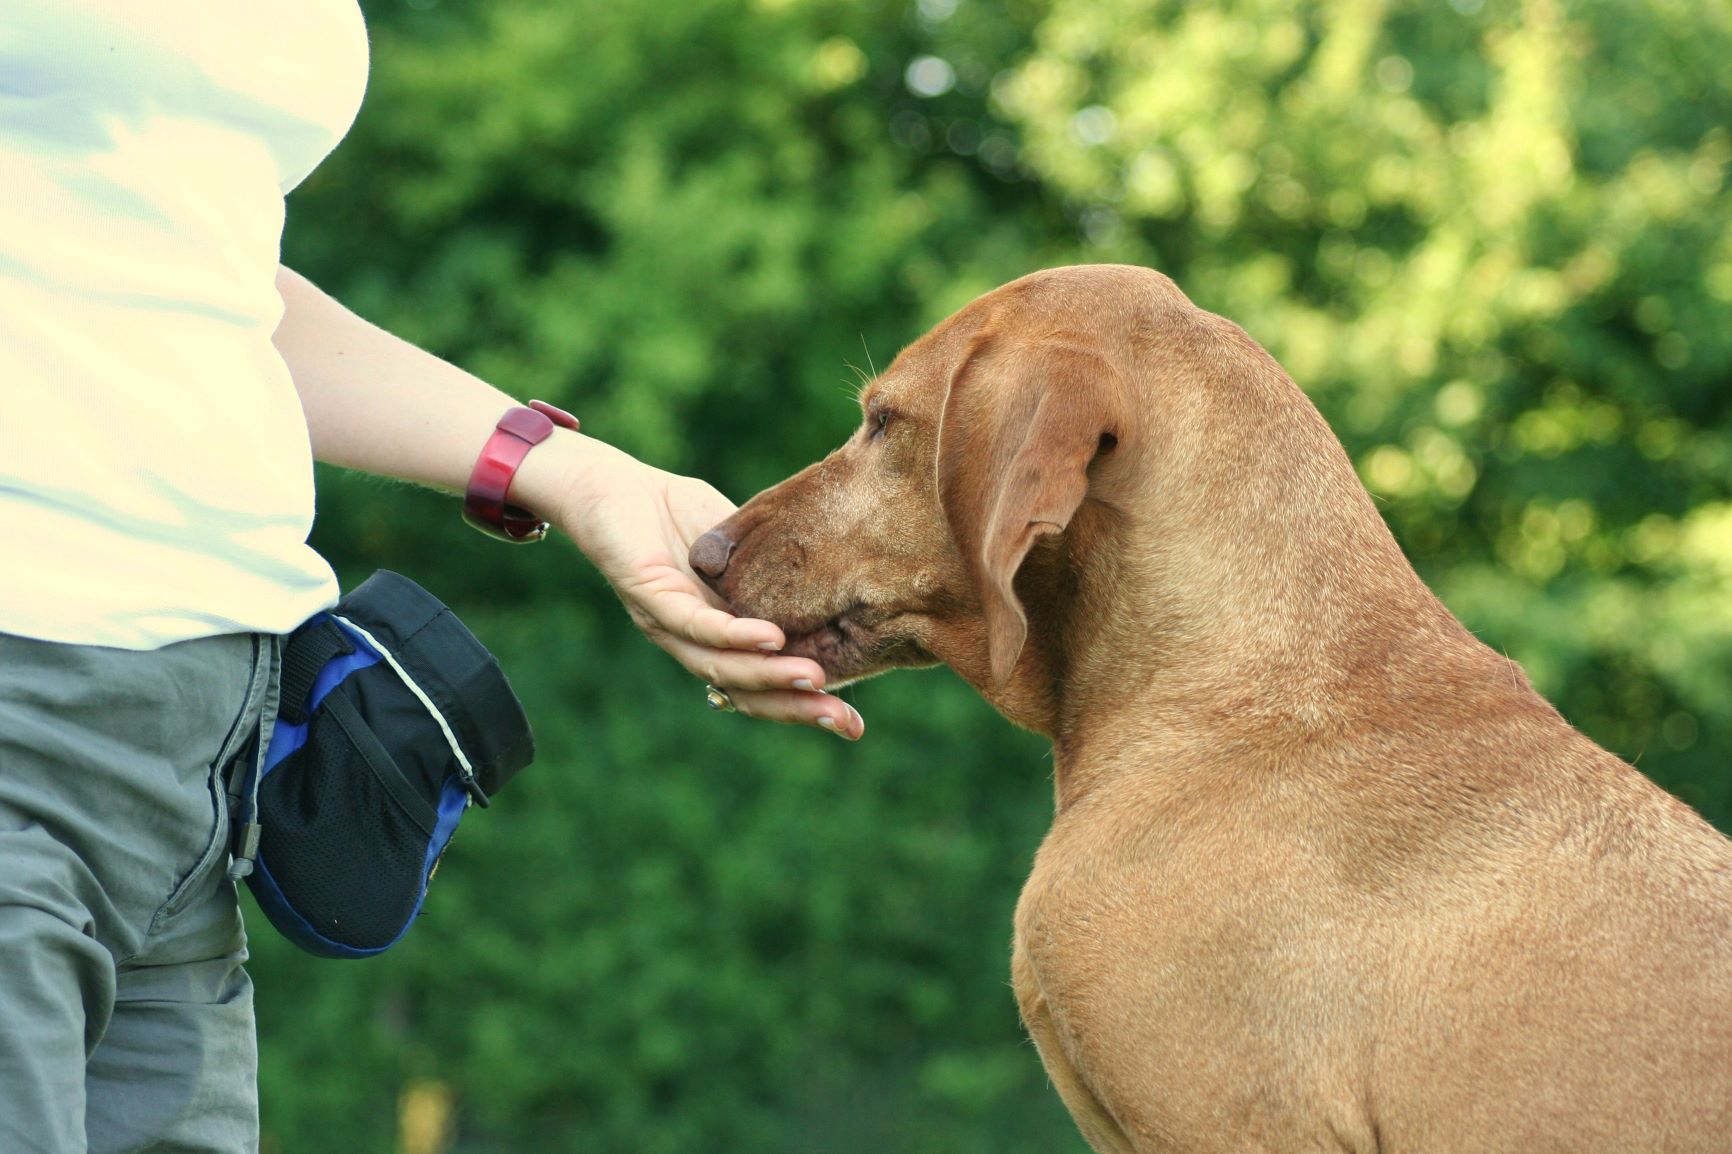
(378, 403)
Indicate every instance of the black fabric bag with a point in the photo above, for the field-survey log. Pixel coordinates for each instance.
(393, 720)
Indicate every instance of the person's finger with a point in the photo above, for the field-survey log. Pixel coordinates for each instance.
(677, 605)
(792, 708)
(733, 669)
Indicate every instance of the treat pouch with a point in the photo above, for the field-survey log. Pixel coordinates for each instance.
(393, 721)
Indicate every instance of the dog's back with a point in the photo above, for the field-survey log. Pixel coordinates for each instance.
(1465, 950)
(1576, 982)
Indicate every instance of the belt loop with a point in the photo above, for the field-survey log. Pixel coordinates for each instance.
(237, 746)
(244, 793)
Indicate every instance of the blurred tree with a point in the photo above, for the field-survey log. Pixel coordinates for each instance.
(1492, 242)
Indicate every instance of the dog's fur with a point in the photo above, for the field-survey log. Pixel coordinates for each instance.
(1325, 872)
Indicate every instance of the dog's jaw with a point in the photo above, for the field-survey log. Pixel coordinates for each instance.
(853, 644)
(828, 643)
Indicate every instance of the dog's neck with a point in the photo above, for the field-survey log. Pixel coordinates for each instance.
(1264, 604)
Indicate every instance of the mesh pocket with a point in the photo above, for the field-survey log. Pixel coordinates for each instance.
(339, 837)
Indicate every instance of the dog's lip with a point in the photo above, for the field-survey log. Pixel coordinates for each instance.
(836, 642)
(848, 644)
(837, 624)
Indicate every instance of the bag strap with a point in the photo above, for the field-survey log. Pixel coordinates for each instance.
(465, 769)
(310, 649)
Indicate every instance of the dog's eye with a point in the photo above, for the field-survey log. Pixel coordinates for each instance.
(880, 421)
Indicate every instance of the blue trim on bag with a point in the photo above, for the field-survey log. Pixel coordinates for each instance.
(285, 738)
(453, 800)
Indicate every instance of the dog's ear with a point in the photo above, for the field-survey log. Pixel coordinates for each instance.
(1021, 426)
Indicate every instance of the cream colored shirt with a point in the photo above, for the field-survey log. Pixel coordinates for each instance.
(156, 478)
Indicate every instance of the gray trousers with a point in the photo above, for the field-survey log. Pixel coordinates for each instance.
(126, 1018)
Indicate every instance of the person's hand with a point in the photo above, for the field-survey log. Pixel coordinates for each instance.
(637, 523)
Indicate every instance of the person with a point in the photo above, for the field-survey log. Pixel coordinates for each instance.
(164, 388)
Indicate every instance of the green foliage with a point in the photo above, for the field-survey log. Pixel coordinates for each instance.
(1492, 242)
(1494, 245)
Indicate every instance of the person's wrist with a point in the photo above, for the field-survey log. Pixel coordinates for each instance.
(487, 503)
(566, 475)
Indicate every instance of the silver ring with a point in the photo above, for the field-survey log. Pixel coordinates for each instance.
(718, 699)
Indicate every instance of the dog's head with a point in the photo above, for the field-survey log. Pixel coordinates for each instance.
(978, 446)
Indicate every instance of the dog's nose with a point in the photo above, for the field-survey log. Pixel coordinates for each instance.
(710, 553)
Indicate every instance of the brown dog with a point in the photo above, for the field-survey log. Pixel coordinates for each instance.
(1326, 873)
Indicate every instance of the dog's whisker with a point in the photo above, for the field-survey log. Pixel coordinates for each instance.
(862, 381)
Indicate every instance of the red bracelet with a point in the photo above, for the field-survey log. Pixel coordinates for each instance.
(518, 431)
